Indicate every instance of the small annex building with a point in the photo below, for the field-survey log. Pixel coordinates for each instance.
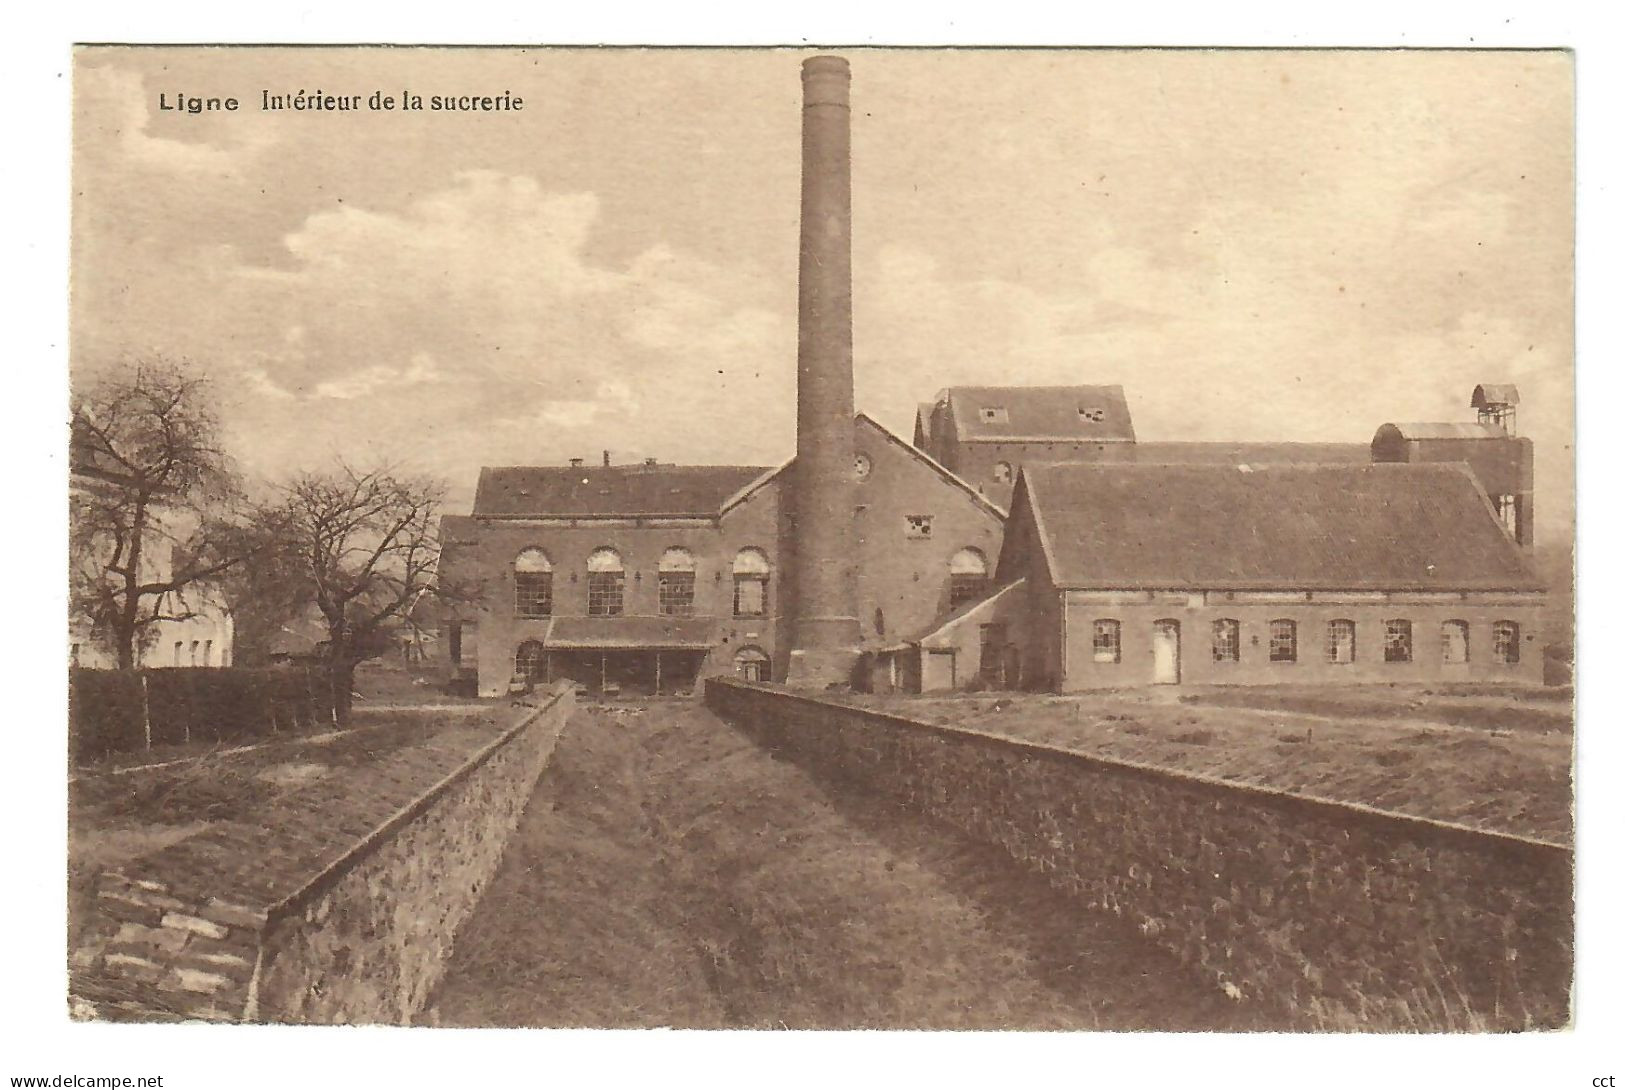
(1221, 574)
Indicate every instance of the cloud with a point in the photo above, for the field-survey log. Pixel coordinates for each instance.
(369, 380)
(118, 101)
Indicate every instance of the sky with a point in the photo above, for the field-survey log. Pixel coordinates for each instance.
(1258, 245)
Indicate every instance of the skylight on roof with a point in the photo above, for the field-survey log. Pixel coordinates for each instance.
(1095, 415)
(995, 414)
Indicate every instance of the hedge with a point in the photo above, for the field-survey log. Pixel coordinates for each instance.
(122, 711)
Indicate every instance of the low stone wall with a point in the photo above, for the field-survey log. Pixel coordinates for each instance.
(1338, 915)
(211, 930)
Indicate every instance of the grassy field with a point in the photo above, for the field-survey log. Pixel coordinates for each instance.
(669, 873)
(117, 814)
(1497, 762)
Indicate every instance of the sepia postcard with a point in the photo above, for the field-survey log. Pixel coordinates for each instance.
(822, 539)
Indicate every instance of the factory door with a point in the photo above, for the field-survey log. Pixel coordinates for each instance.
(1165, 653)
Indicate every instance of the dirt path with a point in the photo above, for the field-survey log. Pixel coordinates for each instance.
(669, 873)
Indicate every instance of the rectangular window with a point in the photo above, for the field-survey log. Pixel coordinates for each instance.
(917, 526)
(533, 593)
(1226, 640)
(1283, 641)
(208, 651)
(1506, 509)
(1396, 641)
(963, 587)
(1108, 641)
(1453, 647)
(604, 593)
(454, 643)
(177, 652)
(1506, 642)
(750, 596)
(676, 593)
(1340, 641)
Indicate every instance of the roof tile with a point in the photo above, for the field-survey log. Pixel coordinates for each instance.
(1377, 526)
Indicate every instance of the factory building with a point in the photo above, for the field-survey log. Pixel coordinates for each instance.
(1025, 538)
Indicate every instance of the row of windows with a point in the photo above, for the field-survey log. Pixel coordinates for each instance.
(1455, 641)
(606, 582)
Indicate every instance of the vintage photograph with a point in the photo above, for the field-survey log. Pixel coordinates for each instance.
(856, 538)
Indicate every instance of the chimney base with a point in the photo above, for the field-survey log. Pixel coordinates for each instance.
(822, 668)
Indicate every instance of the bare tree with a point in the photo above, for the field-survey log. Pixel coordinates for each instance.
(364, 547)
(150, 511)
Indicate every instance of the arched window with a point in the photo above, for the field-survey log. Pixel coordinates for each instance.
(1505, 649)
(1283, 641)
(1340, 641)
(527, 661)
(1108, 641)
(676, 583)
(606, 584)
(1226, 640)
(1453, 646)
(532, 584)
(752, 664)
(967, 577)
(751, 572)
(1396, 641)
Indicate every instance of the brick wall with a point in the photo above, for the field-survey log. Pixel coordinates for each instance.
(1335, 915)
(329, 915)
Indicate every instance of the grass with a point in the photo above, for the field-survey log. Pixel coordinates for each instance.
(1429, 753)
(669, 873)
(118, 816)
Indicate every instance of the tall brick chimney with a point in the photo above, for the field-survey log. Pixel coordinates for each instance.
(824, 633)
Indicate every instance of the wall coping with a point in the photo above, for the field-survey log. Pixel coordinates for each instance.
(329, 875)
(1420, 829)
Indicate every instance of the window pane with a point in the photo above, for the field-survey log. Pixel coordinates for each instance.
(1108, 645)
(750, 596)
(964, 588)
(604, 593)
(1283, 641)
(533, 593)
(676, 593)
(1396, 641)
(1340, 641)
(1506, 642)
(1226, 641)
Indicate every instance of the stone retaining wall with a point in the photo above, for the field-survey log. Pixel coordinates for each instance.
(1339, 915)
(211, 930)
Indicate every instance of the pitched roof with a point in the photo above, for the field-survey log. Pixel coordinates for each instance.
(940, 634)
(1059, 413)
(1486, 394)
(1251, 453)
(608, 491)
(1395, 526)
(651, 633)
(935, 466)
(865, 420)
(1446, 430)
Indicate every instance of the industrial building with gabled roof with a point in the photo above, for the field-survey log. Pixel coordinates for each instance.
(865, 560)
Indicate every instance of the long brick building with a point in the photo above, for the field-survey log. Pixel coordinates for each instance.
(1026, 537)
